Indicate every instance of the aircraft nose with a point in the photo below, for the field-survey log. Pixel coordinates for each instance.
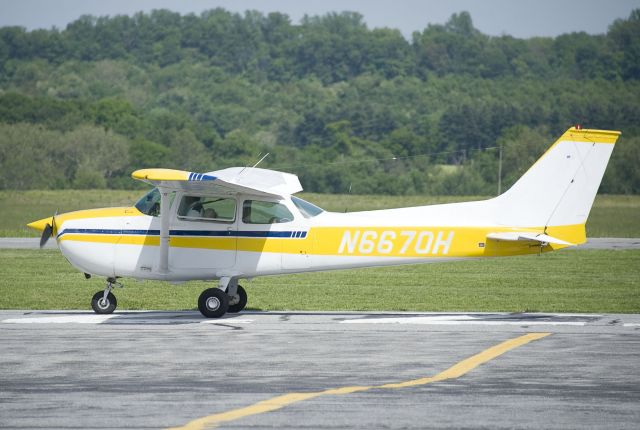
(41, 223)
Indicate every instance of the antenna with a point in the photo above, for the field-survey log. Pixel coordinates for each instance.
(259, 161)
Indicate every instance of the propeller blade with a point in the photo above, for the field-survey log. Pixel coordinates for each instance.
(46, 234)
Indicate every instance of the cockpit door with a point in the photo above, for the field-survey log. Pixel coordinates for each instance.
(203, 233)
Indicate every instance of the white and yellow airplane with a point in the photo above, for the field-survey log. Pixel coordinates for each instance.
(239, 223)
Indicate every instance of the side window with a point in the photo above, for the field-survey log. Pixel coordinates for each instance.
(199, 208)
(261, 212)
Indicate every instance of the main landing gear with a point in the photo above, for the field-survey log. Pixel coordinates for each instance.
(212, 303)
(215, 302)
(104, 302)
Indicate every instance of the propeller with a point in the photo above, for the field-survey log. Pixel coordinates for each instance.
(48, 230)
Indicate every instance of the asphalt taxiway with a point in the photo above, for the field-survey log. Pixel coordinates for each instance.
(318, 370)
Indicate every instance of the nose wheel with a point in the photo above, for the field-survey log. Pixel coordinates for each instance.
(104, 302)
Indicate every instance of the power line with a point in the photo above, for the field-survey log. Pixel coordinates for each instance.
(372, 160)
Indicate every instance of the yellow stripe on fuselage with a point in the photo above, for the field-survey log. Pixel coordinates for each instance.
(112, 238)
(216, 243)
(423, 242)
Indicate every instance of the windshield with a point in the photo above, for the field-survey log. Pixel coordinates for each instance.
(149, 204)
(308, 210)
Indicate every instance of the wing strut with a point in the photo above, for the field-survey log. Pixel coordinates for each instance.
(164, 231)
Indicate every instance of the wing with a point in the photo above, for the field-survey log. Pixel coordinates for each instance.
(527, 236)
(233, 180)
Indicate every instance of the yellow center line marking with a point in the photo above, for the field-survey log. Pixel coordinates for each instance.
(457, 370)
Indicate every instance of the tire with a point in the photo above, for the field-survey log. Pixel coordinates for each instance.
(213, 303)
(239, 301)
(100, 307)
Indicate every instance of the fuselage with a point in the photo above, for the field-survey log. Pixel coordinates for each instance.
(244, 236)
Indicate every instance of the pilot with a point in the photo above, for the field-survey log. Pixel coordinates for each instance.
(195, 211)
(210, 213)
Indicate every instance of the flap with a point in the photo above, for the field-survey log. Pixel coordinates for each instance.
(527, 236)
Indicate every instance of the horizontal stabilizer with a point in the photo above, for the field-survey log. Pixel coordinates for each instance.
(527, 236)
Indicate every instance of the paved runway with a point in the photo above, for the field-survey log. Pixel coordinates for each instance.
(296, 370)
(592, 243)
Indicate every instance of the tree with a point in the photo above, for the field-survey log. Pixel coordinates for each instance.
(625, 36)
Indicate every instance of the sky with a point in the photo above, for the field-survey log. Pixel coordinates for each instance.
(518, 18)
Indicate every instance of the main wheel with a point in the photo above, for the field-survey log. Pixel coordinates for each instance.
(213, 303)
(239, 301)
(101, 305)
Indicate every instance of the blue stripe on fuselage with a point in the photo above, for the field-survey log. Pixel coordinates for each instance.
(200, 233)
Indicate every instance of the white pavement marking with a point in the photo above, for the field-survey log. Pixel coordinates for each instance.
(226, 321)
(631, 325)
(456, 320)
(63, 319)
(137, 319)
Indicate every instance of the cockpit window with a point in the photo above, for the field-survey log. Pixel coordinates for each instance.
(308, 210)
(201, 208)
(149, 204)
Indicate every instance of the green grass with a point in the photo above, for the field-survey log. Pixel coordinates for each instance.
(564, 281)
(611, 216)
(614, 216)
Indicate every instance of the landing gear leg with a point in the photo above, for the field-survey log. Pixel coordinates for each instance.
(237, 296)
(104, 302)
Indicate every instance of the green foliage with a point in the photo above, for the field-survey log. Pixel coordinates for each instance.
(34, 157)
(623, 175)
(28, 157)
(343, 106)
(87, 178)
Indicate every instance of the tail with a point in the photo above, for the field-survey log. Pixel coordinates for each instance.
(557, 192)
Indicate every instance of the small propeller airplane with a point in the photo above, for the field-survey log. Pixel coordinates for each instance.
(239, 223)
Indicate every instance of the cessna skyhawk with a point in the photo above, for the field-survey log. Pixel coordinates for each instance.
(239, 223)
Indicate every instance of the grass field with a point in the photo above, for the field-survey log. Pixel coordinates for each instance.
(564, 281)
(611, 216)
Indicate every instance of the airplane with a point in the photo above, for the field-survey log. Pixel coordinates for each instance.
(242, 222)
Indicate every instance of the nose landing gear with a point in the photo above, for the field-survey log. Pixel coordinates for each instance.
(104, 302)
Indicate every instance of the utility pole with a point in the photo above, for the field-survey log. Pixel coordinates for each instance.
(499, 169)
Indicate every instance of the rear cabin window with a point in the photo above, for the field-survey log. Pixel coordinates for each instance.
(261, 212)
(199, 208)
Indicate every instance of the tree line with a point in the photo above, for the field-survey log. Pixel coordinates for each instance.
(347, 108)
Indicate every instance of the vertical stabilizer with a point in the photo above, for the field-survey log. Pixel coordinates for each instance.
(559, 189)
